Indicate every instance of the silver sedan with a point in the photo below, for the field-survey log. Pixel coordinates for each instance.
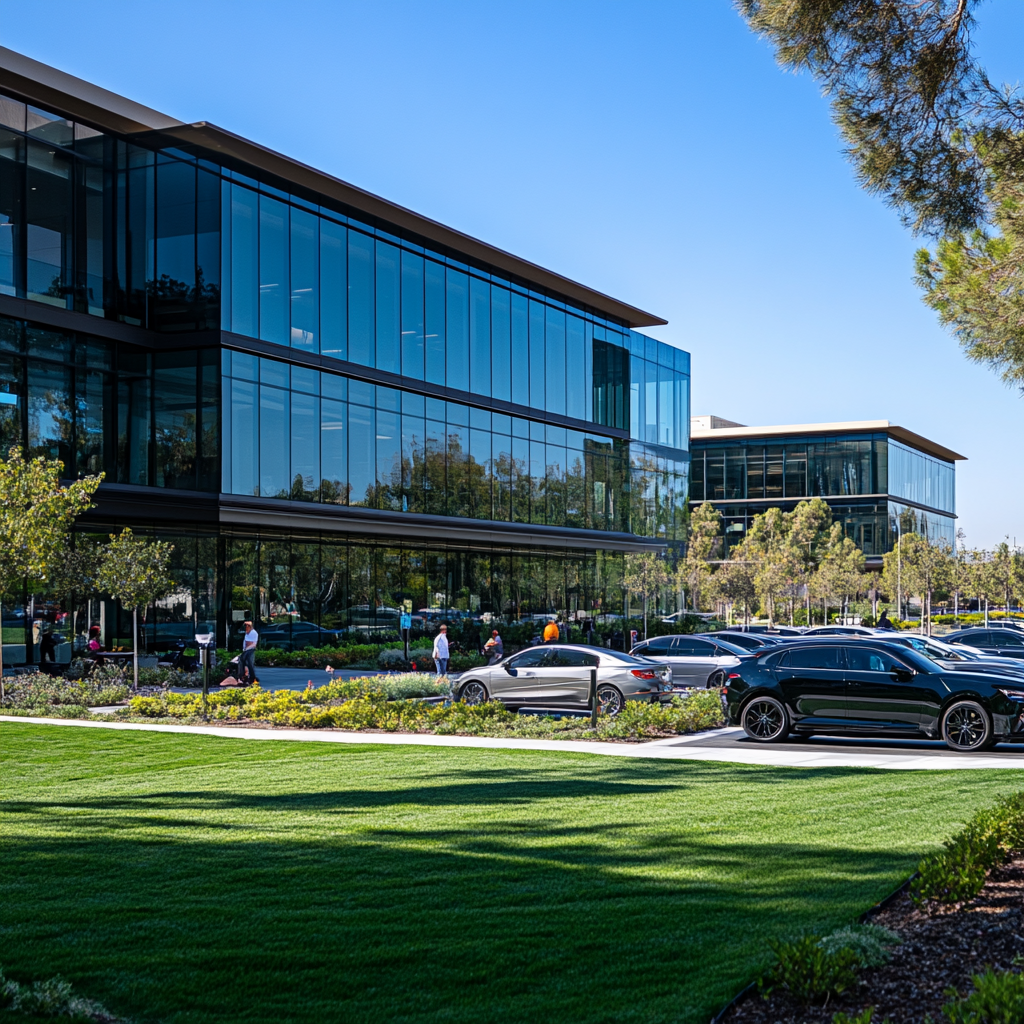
(558, 675)
(695, 660)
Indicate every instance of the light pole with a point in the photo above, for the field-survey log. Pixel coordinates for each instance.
(899, 568)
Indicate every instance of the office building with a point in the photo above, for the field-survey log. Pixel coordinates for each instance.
(878, 478)
(334, 407)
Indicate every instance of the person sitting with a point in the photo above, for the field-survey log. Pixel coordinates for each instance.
(94, 647)
(494, 648)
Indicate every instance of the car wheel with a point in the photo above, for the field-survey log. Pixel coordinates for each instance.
(716, 681)
(966, 726)
(473, 693)
(609, 699)
(765, 719)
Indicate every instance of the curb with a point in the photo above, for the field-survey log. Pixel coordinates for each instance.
(881, 905)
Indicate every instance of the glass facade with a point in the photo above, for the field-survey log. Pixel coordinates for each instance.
(870, 466)
(322, 357)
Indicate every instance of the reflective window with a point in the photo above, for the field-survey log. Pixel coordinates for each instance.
(305, 281)
(814, 657)
(273, 271)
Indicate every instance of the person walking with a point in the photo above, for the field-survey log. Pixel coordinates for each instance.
(247, 662)
(440, 652)
(494, 648)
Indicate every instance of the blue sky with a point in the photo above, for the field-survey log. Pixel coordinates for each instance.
(652, 150)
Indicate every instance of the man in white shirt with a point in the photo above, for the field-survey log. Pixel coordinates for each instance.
(441, 652)
(247, 662)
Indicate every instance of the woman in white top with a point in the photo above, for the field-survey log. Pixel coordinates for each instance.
(441, 652)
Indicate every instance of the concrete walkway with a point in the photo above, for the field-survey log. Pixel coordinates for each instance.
(729, 745)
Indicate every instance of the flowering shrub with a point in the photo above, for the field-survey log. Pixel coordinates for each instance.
(39, 690)
(395, 704)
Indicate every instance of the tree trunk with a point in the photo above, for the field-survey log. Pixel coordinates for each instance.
(645, 616)
(135, 646)
(986, 613)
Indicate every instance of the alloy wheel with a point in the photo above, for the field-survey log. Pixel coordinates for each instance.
(765, 720)
(966, 727)
(473, 693)
(609, 700)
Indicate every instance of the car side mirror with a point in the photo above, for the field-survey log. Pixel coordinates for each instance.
(903, 675)
(509, 669)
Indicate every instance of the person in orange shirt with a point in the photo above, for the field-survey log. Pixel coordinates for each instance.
(551, 632)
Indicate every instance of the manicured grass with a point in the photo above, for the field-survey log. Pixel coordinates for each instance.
(189, 878)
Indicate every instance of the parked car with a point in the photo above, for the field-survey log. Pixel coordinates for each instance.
(840, 631)
(771, 631)
(871, 687)
(959, 657)
(558, 675)
(1007, 643)
(295, 636)
(695, 661)
(748, 641)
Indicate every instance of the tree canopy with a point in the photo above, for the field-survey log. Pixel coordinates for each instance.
(927, 130)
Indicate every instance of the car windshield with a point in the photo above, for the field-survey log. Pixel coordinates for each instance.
(921, 660)
(731, 648)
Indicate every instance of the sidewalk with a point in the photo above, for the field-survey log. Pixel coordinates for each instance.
(722, 745)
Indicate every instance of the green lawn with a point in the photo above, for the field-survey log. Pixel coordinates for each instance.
(189, 878)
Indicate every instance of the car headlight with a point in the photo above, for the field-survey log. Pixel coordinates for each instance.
(1012, 694)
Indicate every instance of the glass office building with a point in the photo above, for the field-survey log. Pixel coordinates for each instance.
(877, 478)
(334, 407)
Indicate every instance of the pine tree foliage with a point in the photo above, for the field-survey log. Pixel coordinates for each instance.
(928, 131)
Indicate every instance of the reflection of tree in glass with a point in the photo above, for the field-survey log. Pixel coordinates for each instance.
(176, 452)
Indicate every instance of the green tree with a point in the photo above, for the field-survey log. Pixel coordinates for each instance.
(775, 562)
(134, 571)
(36, 514)
(919, 567)
(694, 571)
(840, 571)
(643, 576)
(734, 582)
(1006, 568)
(982, 583)
(927, 130)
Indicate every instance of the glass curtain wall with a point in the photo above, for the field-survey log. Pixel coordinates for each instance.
(102, 226)
(921, 478)
(292, 432)
(139, 417)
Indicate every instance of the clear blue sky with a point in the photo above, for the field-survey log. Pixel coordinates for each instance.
(651, 150)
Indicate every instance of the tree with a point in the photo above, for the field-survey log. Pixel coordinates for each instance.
(767, 547)
(927, 130)
(923, 568)
(694, 570)
(734, 582)
(644, 575)
(36, 513)
(982, 581)
(135, 572)
(841, 568)
(1005, 567)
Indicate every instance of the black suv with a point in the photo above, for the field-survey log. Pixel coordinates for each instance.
(868, 687)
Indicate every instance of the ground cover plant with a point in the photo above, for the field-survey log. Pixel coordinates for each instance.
(395, 704)
(192, 879)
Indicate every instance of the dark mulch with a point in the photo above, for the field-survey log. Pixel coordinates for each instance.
(942, 947)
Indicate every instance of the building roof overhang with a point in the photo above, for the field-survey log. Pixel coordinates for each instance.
(898, 433)
(81, 100)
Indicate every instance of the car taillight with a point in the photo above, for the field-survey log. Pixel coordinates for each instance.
(734, 675)
(644, 673)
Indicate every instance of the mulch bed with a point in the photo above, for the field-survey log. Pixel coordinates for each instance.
(943, 946)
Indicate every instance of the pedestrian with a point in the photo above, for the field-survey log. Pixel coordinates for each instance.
(551, 632)
(441, 651)
(494, 648)
(883, 622)
(48, 647)
(247, 662)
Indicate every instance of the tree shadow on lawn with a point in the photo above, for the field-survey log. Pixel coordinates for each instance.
(523, 918)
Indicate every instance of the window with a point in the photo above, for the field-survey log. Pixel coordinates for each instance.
(273, 270)
(689, 647)
(1006, 638)
(528, 659)
(815, 657)
(660, 643)
(862, 659)
(571, 659)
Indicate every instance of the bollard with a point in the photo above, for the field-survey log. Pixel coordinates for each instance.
(593, 698)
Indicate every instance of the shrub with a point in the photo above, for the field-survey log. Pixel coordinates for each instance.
(39, 690)
(998, 998)
(808, 971)
(870, 942)
(959, 871)
(701, 710)
(864, 1017)
(52, 998)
